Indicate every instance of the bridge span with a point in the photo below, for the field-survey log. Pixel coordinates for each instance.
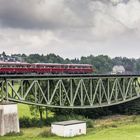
(70, 91)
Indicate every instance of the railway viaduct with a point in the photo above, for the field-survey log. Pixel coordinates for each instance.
(69, 91)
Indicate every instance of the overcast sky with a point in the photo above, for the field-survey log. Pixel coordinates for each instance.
(70, 28)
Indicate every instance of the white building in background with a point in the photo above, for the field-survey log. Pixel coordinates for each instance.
(118, 69)
(69, 128)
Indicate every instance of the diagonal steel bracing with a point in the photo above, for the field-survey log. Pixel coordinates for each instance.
(71, 92)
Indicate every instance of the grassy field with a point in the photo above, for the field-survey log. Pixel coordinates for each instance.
(108, 128)
(123, 132)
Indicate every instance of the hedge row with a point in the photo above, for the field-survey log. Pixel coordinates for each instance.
(26, 122)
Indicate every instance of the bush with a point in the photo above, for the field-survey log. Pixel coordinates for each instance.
(90, 123)
(26, 122)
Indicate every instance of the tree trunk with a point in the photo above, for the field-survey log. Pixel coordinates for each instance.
(40, 113)
(46, 113)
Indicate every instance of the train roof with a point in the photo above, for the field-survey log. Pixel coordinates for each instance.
(80, 64)
(58, 64)
(50, 64)
(14, 63)
(47, 63)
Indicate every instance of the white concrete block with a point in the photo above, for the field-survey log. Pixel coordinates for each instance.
(69, 128)
(9, 121)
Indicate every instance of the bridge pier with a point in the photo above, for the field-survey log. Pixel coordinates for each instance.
(9, 121)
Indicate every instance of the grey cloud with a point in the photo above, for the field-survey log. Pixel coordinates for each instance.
(48, 14)
(41, 14)
(65, 26)
(21, 14)
(66, 14)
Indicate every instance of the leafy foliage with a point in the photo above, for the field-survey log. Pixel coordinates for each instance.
(26, 122)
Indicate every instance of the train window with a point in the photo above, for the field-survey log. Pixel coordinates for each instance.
(70, 66)
(6, 66)
(66, 66)
(59, 66)
(62, 66)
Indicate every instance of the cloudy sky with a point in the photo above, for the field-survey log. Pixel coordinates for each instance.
(70, 28)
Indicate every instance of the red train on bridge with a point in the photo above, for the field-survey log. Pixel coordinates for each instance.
(42, 68)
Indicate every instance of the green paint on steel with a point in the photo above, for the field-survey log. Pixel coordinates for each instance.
(70, 91)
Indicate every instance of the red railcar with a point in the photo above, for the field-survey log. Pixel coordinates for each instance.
(41, 68)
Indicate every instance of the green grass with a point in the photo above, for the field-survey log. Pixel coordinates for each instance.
(123, 132)
(110, 128)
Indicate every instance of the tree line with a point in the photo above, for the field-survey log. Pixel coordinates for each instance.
(102, 63)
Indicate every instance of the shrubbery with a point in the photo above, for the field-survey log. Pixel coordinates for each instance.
(26, 122)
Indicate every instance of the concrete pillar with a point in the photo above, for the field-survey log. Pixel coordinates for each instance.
(9, 121)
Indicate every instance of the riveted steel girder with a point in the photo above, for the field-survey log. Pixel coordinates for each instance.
(70, 91)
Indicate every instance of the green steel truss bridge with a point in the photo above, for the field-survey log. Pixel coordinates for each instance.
(70, 91)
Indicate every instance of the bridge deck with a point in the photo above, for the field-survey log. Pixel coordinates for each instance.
(66, 76)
